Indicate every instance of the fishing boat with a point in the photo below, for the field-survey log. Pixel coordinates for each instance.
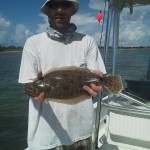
(122, 121)
(140, 88)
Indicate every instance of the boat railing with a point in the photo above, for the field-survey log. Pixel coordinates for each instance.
(140, 106)
(125, 109)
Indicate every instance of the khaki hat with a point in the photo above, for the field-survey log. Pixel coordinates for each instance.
(75, 4)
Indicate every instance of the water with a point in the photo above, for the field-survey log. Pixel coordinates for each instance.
(13, 104)
(131, 64)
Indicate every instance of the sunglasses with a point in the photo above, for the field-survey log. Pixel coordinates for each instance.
(55, 4)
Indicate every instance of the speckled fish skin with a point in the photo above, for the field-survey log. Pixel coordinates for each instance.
(67, 83)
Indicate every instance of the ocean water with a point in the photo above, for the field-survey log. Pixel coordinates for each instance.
(131, 64)
(13, 104)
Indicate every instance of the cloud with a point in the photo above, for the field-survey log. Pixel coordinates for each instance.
(20, 35)
(4, 23)
(134, 28)
(96, 4)
(135, 35)
(84, 19)
(132, 32)
(10, 35)
(88, 24)
(42, 26)
(4, 29)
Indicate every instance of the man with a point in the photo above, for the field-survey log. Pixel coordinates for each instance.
(60, 126)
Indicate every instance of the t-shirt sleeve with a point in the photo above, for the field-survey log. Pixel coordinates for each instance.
(29, 66)
(94, 58)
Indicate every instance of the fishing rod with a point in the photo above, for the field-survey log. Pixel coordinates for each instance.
(100, 95)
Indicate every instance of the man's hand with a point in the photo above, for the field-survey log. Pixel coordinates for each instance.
(93, 89)
(41, 97)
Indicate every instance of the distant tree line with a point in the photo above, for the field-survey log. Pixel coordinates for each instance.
(135, 47)
(10, 48)
(126, 47)
(19, 48)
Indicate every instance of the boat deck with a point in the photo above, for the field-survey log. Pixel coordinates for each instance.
(125, 125)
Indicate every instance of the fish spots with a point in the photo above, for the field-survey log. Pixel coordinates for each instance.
(67, 83)
(113, 83)
(66, 88)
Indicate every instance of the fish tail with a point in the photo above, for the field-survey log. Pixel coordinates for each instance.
(113, 83)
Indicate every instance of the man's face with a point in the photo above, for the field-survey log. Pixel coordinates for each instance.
(59, 13)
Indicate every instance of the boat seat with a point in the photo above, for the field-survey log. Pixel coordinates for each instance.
(126, 130)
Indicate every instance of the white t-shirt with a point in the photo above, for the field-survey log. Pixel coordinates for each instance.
(55, 123)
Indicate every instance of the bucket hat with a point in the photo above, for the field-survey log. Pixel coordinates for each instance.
(75, 5)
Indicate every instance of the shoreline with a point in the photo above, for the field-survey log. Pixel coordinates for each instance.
(120, 48)
(10, 51)
(134, 48)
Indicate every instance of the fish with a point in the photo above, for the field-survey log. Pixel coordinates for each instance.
(67, 83)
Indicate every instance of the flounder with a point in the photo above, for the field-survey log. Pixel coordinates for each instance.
(67, 83)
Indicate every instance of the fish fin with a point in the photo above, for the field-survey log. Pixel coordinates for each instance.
(61, 68)
(64, 68)
(113, 84)
(68, 101)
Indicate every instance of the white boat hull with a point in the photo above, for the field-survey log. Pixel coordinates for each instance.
(124, 129)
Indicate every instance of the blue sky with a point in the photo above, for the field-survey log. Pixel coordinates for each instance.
(20, 19)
